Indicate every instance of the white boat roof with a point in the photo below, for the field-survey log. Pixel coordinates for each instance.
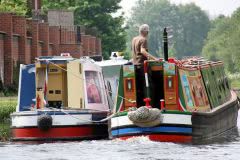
(54, 58)
(113, 61)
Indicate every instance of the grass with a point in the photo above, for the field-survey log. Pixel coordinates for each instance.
(5, 132)
(7, 106)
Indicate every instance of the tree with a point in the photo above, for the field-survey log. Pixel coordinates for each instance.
(153, 13)
(97, 14)
(189, 25)
(194, 25)
(18, 7)
(223, 41)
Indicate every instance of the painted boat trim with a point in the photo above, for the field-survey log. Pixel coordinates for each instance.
(82, 132)
(151, 130)
(175, 119)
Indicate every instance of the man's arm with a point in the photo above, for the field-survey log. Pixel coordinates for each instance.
(146, 54)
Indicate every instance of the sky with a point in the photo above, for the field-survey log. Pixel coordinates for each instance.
(212, 7)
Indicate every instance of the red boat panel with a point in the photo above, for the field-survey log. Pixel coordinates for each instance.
(55, 133)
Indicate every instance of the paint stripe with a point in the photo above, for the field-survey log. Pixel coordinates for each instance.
(58, 120)
(166, 119)
(161, 129)
(64, 132)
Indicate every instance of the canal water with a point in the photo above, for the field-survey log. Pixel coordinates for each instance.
(226, 147)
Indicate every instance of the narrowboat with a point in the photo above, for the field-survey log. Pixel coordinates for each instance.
(170, 100)
(60, 98)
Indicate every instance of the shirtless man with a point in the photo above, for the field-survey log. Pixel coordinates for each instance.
(140, 54)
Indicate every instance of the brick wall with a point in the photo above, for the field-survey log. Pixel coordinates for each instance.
(1, 57)
(19, 27)
(15, 49)
(28, 50)
(25, 39)
(92, 45)
(73, 49)
(6, 26)
(98, 46)
(50, 51)
(33, 30)
(85, 44)
(54, 39)
(40, 48)
(44, 36)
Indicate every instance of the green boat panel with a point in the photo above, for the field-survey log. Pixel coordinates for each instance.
(128, 71)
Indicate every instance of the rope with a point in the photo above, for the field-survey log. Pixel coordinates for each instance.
(67, 70)
(91, 121)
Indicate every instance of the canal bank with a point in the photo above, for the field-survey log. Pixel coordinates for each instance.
(7, 106)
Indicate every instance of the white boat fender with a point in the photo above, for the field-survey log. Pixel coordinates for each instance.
(145, 117)
(44, 122)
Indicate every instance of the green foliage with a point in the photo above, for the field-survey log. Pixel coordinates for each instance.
(223, 41)
(7, 106)
(18, 7)
(189, 25)
(194, 26)
(58, 4)
(5, 131)
(96, 14)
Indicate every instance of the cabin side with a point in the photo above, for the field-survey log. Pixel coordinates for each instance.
(173, 85)
(60, 82)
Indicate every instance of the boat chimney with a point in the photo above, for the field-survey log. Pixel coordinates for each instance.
(165, 44)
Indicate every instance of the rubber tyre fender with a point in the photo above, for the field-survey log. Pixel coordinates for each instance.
(44, 122)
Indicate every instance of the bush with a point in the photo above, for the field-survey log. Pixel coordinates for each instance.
(6, 108)
(5, 131)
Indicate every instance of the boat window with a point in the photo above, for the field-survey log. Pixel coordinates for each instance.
(93, 87)
(57, 91)
(129, 86)
(170, 82)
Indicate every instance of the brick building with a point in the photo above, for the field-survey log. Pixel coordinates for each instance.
(21, 40)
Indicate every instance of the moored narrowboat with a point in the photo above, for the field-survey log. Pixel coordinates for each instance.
(184, 100)
(60, 98)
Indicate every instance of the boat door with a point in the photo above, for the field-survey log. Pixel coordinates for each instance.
(156, 82)
(170, 86)
(26, 90)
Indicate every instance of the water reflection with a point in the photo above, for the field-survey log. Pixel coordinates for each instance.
(227, 137)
